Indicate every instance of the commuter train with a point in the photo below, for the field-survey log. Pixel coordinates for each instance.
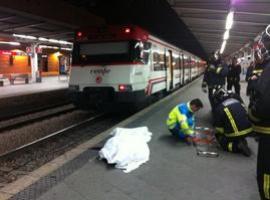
(126, 65)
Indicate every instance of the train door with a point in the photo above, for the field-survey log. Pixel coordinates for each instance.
(181, 71)
(169, 68)
(189, 68)
(184, 69)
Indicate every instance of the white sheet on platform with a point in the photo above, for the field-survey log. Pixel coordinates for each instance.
(127, 148)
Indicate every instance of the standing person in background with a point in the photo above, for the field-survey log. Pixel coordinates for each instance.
(233, 77)
(255, 74)
(214, 76)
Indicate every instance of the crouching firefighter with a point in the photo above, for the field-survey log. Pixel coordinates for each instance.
(231, 122)
(181, 122)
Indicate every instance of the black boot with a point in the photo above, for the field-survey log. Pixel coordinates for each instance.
(243, 147)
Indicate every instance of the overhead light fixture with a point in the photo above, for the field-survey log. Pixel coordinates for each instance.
(223, 47)
(10, 43)
(48, 47)
(53, 41)
(67, 49)
(226, 35)
(30, 37)
(229, 20)
(43, 39)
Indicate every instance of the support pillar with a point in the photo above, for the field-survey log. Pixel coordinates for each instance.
(34, 64)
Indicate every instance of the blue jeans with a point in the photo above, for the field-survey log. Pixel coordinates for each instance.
(177, 133)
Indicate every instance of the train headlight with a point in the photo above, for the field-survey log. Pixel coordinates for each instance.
(124, 88)
(74, 87)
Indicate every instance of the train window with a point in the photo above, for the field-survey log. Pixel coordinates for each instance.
(176, 64)
(146, 52)
(106, 52)
(158, 61)
(142, 51)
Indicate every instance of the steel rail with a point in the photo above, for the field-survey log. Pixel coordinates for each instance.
(36, 119)
(56, 133)
(32, 111)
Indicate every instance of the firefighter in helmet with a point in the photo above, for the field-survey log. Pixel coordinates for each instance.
(231, 122)
(259, 114)
(214, 75)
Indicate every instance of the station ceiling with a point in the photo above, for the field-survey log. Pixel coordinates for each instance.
(206, 19)
(49, 19)
(194, 25)
(156, 16)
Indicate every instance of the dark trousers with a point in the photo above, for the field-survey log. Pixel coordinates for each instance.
(234, 84)
(210, 97)
(229, 144)
(263, 167)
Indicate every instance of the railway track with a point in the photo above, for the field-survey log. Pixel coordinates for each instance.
(54, 134)
(24, 112)
(27, 157)
(32, 117)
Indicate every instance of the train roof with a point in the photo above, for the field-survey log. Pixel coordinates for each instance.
(121, 32)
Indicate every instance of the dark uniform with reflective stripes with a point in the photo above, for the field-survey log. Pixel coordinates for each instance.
(257, 71)
(214, 77)
(261, 126)
(232, 125)
(233, 78)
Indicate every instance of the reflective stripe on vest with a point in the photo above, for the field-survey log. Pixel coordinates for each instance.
(220, 129)
(257, 71)
(230, 145)
(229, 115)
(266, 186)
(261, 129)
(239, 133)
(219, 70)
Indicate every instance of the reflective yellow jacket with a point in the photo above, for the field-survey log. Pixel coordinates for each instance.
(182, 118)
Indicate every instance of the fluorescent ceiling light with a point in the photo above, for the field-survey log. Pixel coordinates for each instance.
(43, 39)
(10, 43)
(67, 49)
(53, 41)
(229, 20)
(64, 42)
(25, 36)
(223, 46)
(48, 47)
(226, 35)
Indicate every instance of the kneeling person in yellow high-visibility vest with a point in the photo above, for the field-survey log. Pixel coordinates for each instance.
(181, 119)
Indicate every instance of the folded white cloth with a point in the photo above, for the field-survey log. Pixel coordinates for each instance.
(128, 148)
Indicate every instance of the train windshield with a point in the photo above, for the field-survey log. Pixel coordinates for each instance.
(111, 52)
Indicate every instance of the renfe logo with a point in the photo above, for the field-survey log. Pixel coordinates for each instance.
(101, 71)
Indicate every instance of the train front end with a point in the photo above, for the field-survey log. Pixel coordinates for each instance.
(110, 66)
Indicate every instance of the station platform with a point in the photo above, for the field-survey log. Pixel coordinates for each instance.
(20, 88)
(174, 171)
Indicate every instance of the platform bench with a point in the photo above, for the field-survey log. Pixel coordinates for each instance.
(3, 78)
(13, 77)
